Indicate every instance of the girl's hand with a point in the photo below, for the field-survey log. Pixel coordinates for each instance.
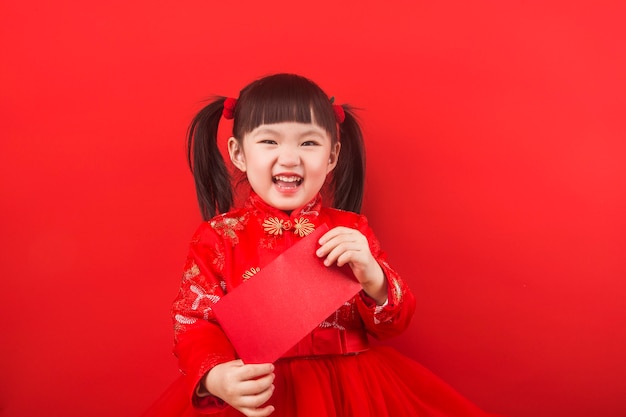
(245, 387)
(343, 245)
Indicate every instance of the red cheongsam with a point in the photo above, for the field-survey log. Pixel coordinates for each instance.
(332, 372)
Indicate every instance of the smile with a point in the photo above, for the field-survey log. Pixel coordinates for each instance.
(284, 181)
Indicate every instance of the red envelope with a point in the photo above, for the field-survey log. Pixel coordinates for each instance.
(272, 311)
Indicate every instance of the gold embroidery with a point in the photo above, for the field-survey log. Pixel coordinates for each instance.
(192, 272)
(397, 290)
(303, 227)
(218, 257)
(227, 227)
(273, 226)
(250, 273)
(268, 242)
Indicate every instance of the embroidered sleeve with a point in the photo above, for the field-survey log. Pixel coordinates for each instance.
(395, 315)
(200, 342)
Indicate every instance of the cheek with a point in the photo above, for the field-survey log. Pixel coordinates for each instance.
(322, 170)
(259, 170)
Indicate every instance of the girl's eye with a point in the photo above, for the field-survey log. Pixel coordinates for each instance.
(268, 141)
(309, 143)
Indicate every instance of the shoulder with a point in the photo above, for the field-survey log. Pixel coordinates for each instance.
(339, 217)
(222, 225)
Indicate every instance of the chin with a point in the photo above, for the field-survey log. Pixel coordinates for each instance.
(291, 205)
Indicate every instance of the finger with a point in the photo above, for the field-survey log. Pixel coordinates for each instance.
(336, 242)
(344, 253)
(334, 232)
(258, 399)
(344, 258)
(329, 235)
(254, 371)
(257, 412)
(256, 386)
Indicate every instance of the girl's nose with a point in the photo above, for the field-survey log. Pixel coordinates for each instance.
(288, 156)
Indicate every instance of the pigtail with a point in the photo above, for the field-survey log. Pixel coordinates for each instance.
(211, 177)
(348, 180)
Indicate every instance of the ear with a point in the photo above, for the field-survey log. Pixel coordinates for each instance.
(334, 157)
(235, 151)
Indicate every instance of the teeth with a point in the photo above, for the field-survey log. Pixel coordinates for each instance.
(286, 179)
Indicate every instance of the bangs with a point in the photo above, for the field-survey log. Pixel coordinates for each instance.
(283, 98)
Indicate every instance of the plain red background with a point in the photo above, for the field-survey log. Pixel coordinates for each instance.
(496, 183)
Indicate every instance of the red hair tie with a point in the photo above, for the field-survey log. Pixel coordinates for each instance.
(340, 114)
(229, 108)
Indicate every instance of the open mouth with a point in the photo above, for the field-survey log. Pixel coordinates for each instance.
(284, 181)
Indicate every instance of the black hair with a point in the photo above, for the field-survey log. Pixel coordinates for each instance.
(274, 99)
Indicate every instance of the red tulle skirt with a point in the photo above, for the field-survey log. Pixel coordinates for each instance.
(380, 382)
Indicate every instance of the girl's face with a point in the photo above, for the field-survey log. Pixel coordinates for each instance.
(286, 163)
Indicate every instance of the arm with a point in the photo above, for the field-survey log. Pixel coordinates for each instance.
(200, 342)
(206, 356)
(386, 304)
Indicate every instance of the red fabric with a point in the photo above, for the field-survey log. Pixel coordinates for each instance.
(329, 341)
(296, 284)
(340, 114)
(229, 108)
(378, 383)
(231, 248)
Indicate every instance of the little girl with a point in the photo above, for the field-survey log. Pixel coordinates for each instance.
(298, 152)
